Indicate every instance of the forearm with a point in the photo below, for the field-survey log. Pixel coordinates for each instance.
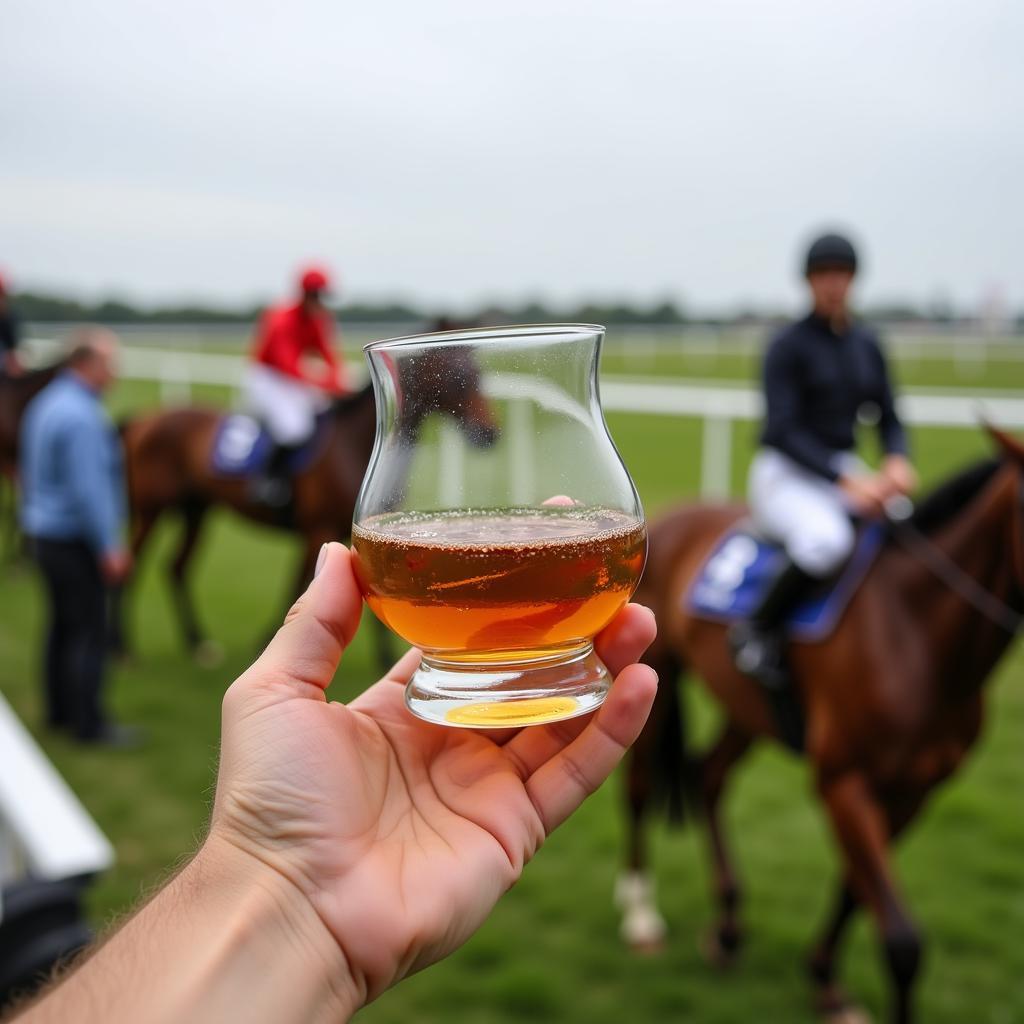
(226, 939)
(893, 437)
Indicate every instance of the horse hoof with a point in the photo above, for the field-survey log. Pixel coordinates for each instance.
(643, 929)
(644, 933)
(208, 654)
(647, 947)
(847, 1015)
(716, 953)
(833, 1006)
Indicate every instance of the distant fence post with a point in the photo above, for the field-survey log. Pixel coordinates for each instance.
(520, 451)
(175, 380)
(716, 458)
(451, 465)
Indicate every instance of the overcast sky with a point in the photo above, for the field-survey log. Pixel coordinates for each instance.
(460, 149)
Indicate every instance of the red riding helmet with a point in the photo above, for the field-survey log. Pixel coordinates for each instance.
(314, 279)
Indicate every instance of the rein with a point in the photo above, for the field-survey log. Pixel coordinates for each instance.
(948, 572)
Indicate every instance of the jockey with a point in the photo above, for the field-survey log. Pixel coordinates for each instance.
(806, 481)
(281, 390)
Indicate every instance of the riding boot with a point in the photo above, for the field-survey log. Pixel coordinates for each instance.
(758, 642)
(273, 487)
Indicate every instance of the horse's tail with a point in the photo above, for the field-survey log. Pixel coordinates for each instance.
(664, 748)
(123, 423)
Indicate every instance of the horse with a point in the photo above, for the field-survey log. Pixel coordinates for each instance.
(893, 701)
(15, 394)
(169, 467)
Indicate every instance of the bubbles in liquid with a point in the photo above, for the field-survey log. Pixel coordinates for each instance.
(473, 581)
(506, 527)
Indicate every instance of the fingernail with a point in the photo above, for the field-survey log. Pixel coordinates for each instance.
(321, 559)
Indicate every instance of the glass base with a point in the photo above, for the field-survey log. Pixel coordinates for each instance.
(506, 695)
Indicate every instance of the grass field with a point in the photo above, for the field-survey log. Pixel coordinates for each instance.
(550, 952)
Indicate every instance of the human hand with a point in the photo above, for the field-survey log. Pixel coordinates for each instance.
(115, 565)
(866, 493)
(900, 474)
(400, 834)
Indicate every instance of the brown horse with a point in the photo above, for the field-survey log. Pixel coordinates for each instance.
(894, 699)
(170, 468)
(15, 394)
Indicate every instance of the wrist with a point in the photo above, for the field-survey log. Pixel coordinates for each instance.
(270, 927)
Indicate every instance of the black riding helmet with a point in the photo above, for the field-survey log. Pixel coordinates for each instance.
(831, 252)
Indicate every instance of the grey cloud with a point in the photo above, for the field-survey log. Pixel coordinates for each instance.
(459, 150)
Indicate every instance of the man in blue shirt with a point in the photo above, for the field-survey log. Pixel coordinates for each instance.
(73, 512)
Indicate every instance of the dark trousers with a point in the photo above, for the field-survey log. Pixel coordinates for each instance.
(76, 640)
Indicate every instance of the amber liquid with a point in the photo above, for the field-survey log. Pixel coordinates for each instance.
(513, 584)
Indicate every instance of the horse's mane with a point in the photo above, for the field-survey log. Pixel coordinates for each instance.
(29, 378)
(953, 494)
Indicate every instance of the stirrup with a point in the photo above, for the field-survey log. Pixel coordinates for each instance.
(271, 491)
(758, 654)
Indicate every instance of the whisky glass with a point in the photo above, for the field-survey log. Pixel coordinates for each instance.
(497, 528)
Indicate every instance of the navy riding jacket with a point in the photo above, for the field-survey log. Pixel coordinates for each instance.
(815, 382)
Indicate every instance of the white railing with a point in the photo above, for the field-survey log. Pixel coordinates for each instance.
(717, 405)
(44, 831)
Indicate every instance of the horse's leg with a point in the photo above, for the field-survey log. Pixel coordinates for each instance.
(726, 936)
(864, 831)
(8, 515)
(643, 928)
(203, 650)
(830, 1000)
(118, 635)
(15, 542)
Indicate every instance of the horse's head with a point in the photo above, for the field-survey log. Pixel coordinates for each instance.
(1009, 447)
(448, 380)
(1011, 451)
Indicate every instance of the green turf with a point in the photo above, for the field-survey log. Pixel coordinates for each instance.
(550, 951)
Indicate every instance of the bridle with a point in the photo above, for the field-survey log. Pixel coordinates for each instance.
(898, 513)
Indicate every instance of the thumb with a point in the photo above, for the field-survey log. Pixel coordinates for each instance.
(302, 657)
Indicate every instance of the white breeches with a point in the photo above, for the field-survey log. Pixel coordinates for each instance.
(804, 512)
(286, 406)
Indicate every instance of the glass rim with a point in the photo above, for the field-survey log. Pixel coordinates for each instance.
(486, 334)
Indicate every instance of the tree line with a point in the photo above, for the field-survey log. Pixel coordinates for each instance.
(48, 308)
(42, 307)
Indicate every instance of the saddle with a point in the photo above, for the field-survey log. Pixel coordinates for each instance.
(740, 570)
(744, 564)
(243, 445)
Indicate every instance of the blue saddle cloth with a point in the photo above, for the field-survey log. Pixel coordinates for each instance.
(736, 575)
(242, 446)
